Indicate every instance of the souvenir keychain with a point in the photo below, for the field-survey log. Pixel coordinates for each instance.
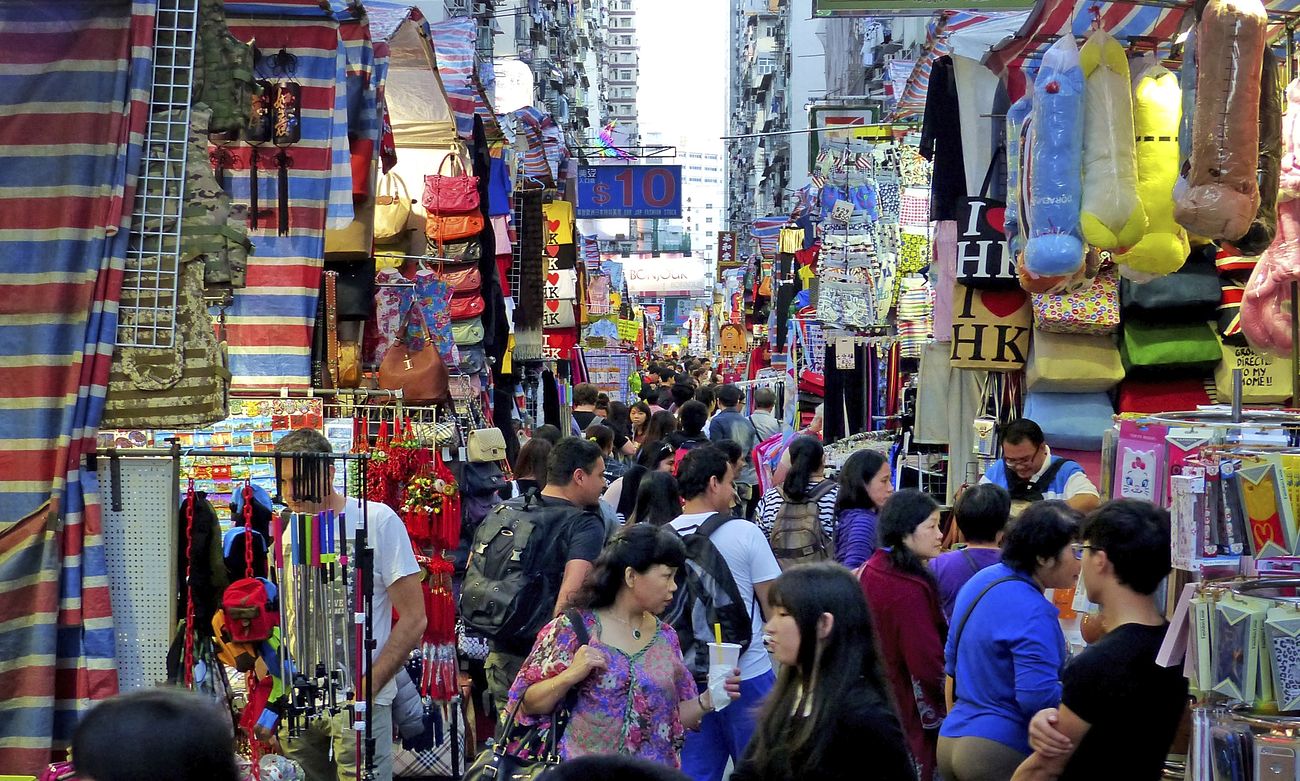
(259, 131)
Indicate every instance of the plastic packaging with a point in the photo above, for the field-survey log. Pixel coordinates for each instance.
(1053, 178)
(1223, 193)
(1268, 169)
(1163, 248)
(1017, 117)
(1112, 216)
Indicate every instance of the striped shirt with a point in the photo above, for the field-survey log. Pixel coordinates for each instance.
(771, 503)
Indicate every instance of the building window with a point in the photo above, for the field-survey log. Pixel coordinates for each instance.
(708, 220)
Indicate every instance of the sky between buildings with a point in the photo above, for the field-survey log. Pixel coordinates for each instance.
(683, 83)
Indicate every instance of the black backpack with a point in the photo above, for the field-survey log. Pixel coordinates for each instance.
(706, 595)
(508, 595)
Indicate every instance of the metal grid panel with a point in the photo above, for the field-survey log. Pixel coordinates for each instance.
(140, 548)
(147, 315)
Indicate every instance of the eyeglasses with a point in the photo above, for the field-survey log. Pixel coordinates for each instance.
(1024, 461)
(1079, 548)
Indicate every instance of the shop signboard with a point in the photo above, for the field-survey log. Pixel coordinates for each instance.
(651, 276)
(629, 191)
(655, 312)
(727, 251)
(912, 7)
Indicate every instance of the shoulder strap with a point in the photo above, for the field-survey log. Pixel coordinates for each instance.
(579, 626)
(821, 489)
(993, 166)
(1050, 474)
(713, 523)
(961, 627)
(965, 552)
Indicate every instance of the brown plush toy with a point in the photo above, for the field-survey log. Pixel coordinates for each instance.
(1264, 228)
(1223, 196)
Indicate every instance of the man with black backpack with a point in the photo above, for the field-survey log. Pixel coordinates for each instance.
(530, 557)
(729, 569)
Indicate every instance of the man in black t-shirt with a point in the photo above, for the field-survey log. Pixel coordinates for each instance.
(1119, 709)
(574, 483)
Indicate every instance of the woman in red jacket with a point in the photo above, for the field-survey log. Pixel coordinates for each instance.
(910, 627)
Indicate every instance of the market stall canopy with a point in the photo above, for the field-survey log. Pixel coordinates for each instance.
(453, 46)
(1130, 22)
(418, 105)
(960, 34)
(338, 10)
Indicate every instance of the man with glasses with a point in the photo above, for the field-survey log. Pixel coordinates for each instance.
(1030, 472)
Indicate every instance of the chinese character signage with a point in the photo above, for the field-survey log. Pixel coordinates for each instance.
(727, 251)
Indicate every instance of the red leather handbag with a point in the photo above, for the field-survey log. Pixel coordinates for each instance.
(453, 193)
(465, 306)
(462, 277)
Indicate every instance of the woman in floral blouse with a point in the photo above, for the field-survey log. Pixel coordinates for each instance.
(634, 694)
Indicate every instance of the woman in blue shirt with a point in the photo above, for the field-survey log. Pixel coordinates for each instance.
(1005, 650)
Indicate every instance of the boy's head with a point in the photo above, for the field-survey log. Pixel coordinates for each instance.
(982, 512)
(1126, 544)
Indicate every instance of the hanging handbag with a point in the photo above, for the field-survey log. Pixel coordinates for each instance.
(468, 332)
(392, 209)
(1265, 378)
(420, 375)
(1072, 363)
(985, 426)
(1189, 295)
(990, 329)
(486, 445)
(462, 277)
(453, 193)
(349, 365)
(471, 249)
(354, 288)
(465, 306)
(542, 743)
(444, 228)
(1162, 348)
(983, 260)
(1093, 310)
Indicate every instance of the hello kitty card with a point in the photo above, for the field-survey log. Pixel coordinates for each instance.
(1140, 464)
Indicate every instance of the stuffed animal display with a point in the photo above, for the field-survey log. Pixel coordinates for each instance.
(1266, 306)
(1223, 193)
(1112, 215)
(1053, 176)
(1269, 169)
(1157, 109)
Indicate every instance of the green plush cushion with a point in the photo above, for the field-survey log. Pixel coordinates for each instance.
(1190, 347)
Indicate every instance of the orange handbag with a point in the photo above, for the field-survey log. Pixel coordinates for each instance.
(465, 306)
(443, 228)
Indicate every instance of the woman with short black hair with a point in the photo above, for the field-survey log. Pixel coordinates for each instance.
(1006, 652)
(155, 733)
(634, 693)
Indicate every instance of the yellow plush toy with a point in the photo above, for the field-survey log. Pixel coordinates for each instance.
(1113, 216)
(1156, 114)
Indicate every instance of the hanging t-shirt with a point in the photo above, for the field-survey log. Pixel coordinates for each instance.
(559, 222)
(393, 560)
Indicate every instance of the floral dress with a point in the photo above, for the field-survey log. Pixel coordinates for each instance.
(631, 708)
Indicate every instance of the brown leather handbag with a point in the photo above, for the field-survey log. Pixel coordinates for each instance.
(420, 375)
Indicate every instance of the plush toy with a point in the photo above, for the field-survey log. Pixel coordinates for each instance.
(1266, 305)
(1112, 215)
(1071, 283)
(1224, 193)
(1053, 178)
(1164, 247)
(1264, 227)
(1017, 126)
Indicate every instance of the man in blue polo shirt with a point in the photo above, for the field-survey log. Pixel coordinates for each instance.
(1030, 472)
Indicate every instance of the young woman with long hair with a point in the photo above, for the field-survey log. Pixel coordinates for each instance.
(622, 493)
(658, 500)
(530, 466)
(639, 416)
(866, 483)
(904, 600)
(802, 476)
(830, 716)
(661, 424)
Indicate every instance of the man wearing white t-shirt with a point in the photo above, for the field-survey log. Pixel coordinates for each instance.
(326, 748)
(706, 480)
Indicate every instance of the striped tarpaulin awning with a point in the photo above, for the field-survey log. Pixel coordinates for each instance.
(767, 232)
(454, 49)
(75, 104)
(939, 42)
(270, 323)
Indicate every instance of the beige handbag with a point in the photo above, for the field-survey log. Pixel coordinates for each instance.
(392, 209)
(486, 445)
